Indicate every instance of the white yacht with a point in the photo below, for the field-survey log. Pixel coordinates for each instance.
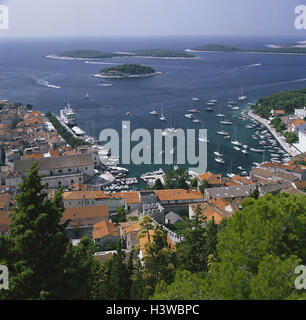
(193, 110)
(237, 148)
(197, 121)
(162, 117)
(222, 133)
(154, 112)
(195, 99)
(68, 115)
(242, 97)
(244, 151)
(188, 115)
(218, 153)
(220, 114)
(235, 141)
(87, 96)
(220, 160)
(226, 122)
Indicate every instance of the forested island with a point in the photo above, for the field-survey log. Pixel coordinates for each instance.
(95, 54)
(160, 53)
(127, 71)
(289, 48)
(284, 100)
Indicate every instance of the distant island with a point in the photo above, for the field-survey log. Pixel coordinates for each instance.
(293, 48)
(127, 71)
(95, 54)
(160, 53)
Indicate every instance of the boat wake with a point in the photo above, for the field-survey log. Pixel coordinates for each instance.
(289, 81)
(96, 62)
(46, 84)
(249, 66)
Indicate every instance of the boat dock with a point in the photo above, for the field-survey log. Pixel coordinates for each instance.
(281, 140)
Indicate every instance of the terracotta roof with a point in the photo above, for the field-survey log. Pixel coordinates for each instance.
(4, 200)
(222, 204)
(33, 114)
(35, 156)
(300, 184)
(279, 111)
(4, 218)
(242, 180)
(211, 177)
(143, 241)
(208, 212)
(297, 123)
(103, 229)
(129, 196)
(89, 194)
(131, 228)
(85, 212)
(178, 194)
(54, 153)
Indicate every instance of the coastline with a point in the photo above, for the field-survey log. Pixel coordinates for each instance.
(56, 57)
(98, 75)
(281, 140)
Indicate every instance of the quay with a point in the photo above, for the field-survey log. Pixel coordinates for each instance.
(286, 146)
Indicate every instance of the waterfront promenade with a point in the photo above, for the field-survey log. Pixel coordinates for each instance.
(281, 139)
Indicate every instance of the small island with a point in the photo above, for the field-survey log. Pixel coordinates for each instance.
(95, 54)
(293, 48)
(127, 71)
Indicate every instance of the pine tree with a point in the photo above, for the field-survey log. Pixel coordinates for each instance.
(191, 252)
(36, 249)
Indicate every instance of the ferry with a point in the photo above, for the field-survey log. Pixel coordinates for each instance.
(68, 115)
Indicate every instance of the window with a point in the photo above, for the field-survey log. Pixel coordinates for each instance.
(69, 170)
(51, 173)
(59, 183)
(72, 181)
(60, 171)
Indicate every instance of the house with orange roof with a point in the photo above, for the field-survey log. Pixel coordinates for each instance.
(128, 233)
(299, 126)
(177, 197)
(208, 212)
(224, 206)
(277, 113)
(214, 180)
(85, 216)
(84, 198)
(105, 233)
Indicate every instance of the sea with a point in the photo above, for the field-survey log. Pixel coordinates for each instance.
(26, 76)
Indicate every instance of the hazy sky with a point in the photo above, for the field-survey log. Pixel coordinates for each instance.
(150, 17)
